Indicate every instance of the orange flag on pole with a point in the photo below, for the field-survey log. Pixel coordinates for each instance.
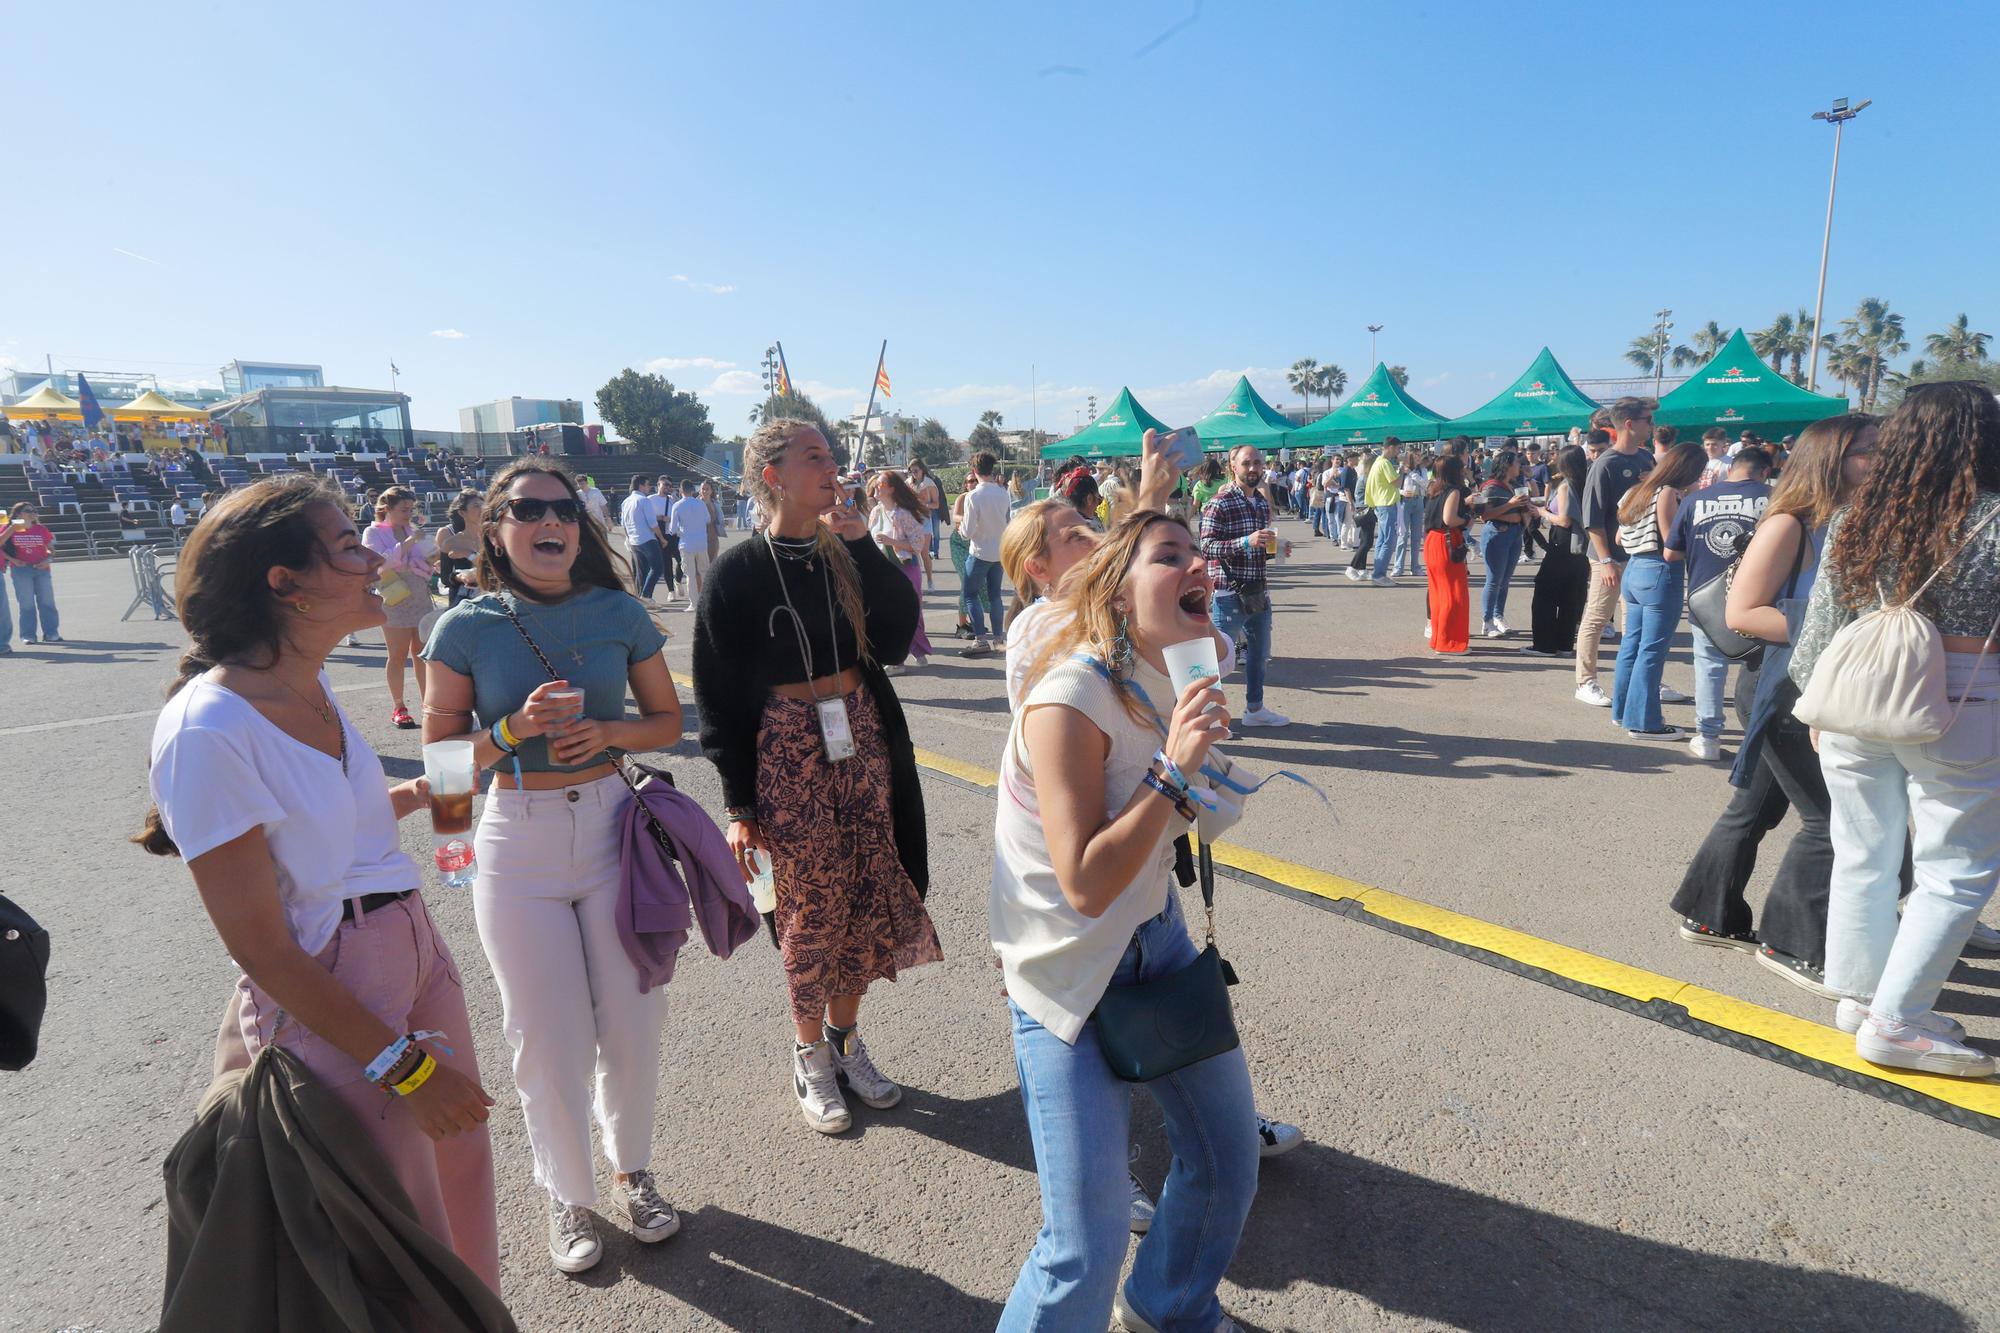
(882, 380)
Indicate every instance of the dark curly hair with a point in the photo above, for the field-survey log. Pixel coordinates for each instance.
(1936, 453)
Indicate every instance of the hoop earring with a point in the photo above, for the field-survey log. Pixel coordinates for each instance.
(303, 606)
(1121, 650)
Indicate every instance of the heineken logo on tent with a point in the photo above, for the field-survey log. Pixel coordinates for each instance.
(1371, 398)
(1734, 375)
(1730, 414)
(1230, 410)
(1109, 419)
(1526, 425)
(1535, 390)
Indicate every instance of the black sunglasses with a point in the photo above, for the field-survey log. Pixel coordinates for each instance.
(530, 510)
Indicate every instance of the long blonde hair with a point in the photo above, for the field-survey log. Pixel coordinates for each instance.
(1088, 592)
(1027, 538)
(767, 447)
(1809, 487)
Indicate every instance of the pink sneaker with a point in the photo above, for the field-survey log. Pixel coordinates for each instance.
(1906, 1046)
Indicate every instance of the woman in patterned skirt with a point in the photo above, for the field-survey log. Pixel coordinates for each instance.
(818, 773)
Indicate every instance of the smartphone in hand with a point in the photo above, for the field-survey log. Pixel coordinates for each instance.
(1183, 447)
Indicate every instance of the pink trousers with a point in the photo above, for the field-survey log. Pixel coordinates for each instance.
(394, 962)
(914, 571)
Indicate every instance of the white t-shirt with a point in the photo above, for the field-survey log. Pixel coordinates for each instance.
(177, 514)
(593, 500)
(655, 513)
(689, 518)
(221, 768)
(1056, 960)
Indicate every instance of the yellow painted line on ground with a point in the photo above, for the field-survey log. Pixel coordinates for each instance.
(1809, 1040)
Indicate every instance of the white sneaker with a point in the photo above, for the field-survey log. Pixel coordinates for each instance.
(1384, 582)
(1354, 574)
(573, 1242)
(817, 1084)
(1848, 1016)
(1264, 717)
(1427, 631)
(853, 1067)
(1985, 939)
(1142, 1209)
(1275, 1138)
(1589, 693)
(1663, 734)
(1907, 1046)
(1127, 1320)
(1496, 628)
(921, 660)
(1670, 695)
(653, 1218)
(1705, 747)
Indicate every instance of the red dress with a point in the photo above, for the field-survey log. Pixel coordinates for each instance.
(1451, 602)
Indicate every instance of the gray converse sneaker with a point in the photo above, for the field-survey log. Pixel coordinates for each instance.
(573, 1241)
(859, 1073)
(1142, 1209)
(815, 1081)
(653, 1218)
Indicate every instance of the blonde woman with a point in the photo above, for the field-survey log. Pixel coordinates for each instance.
(801, 721)
(1083, 901)
(409, 559)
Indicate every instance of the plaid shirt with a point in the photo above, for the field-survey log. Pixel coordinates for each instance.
(1229, 518)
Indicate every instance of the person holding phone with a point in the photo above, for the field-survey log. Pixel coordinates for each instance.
(818, 771)
(554, 617)
(281, 812)
(1503, 507)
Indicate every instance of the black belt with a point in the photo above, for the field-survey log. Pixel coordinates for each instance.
(353, 908)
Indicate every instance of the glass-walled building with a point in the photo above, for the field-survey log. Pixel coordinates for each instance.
(504, 416)
(289, 420)
(241, 377)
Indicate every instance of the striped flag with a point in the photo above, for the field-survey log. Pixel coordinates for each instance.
(882, 380)
(784, 373)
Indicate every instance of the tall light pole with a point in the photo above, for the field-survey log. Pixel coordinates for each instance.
(1373, 329)
(1665, 323)
(1838, 116)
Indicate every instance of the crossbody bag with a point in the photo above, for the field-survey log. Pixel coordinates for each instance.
(1708, 606)
(1161, 1026)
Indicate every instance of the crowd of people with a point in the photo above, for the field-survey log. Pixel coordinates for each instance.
(550, 664)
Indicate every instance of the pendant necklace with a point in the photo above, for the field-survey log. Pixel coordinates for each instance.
(575, 648)
(800, 550)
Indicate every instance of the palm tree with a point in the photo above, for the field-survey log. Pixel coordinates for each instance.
(1651, 354)
(990, 418)
(1330, 381)
(1802, 343)
(1774, 344)
(1958, 345)
(1708, 340)
(756, 413)
(1304, 379)
(1877, 331)
(1400, 375)
(1847, 363)
(843, 433)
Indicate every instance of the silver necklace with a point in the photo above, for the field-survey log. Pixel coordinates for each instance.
(800, 550)
(575, 647)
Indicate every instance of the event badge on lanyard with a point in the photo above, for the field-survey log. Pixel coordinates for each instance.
(835, 730)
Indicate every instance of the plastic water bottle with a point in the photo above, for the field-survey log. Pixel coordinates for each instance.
(763, 889)
(453, 857)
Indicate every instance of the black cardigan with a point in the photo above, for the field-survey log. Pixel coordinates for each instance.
(741, 651)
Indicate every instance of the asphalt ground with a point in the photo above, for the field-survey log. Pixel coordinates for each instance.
(1485, 1152)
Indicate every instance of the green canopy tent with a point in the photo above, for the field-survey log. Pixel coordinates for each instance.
(1116, 433)
(1378, 409)
(1242, 418)
(1544, 401)
(1737, 390)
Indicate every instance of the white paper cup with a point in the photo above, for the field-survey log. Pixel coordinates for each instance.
(1189, 662)
(570, 700)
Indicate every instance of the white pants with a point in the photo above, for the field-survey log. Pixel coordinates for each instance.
(545, 900)
(695, 564)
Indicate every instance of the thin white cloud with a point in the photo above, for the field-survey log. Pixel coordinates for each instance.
(134, 254)
(660, 363)
(734, 383)
(1185, 401)
(449, 333)
(714, 288)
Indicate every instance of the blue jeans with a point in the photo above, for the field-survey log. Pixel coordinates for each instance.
(1079, 1115)
(982, 579)
(35, 590)
(1651, 589)
(6, 620)
(1947, 794)
(1711, 682)
(1500, 549)
(647, 565)
(1252, 636)
(1337, 523)
(1385, 537)
(1410, 538)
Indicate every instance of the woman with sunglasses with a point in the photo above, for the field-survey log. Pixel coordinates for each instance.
(553, 600)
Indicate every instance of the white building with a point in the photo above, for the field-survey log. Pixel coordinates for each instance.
(503, 416)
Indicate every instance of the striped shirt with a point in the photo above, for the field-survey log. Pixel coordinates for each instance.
(1643, 536)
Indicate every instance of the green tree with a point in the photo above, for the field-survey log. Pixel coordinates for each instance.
(1651, 353)
(1926, 372)
(986, 435)
(1774, 343)
(1876, 332)
(799, 408)
(933, 444)
(1329, 382)
(1304, 379)
(1400, 375)
(1848, 364)
(650, 412)
(1958, 345)
(1708, 340)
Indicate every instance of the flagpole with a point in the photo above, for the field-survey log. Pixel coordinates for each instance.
(861, 445)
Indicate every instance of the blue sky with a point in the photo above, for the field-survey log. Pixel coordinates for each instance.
(526, 198)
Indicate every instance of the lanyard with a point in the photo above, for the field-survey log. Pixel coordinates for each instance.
(805, 647)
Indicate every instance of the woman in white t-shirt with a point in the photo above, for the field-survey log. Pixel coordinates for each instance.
(288, 825)
(1082, 901)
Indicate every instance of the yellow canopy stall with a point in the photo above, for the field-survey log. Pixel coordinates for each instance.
(153, 403)
(47, 401)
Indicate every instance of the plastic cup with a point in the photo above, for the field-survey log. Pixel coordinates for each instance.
(1271, 544)
(453, 775)
(763, 888)
(1189, 662)
(571, 702)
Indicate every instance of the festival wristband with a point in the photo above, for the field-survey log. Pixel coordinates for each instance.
(378, 1068)
(505, 735)
(1173, 771)
(740, 814)
(417, 1079)
(1181, 807)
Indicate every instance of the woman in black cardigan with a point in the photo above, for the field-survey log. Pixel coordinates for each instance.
(798, 716)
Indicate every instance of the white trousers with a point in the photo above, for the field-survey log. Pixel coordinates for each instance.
(545, 897)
